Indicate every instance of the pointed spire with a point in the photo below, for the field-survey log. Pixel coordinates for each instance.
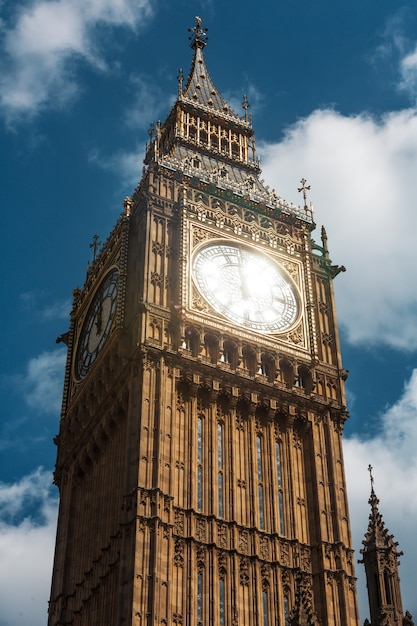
(200, 89)
(380, 557)
(373, 500)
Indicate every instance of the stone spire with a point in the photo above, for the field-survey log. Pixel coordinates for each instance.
(380, 556)
(205, 140)
(200, 89)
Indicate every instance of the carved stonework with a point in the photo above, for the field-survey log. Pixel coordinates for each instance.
(222, 535)
(285, 553)
(158, 247)
(305, 560)
(264, 548)
(201, 529)
(157, 279)
(179, 522)
(199, 303)
(286, 581)
(244, 572)
(222, 564)
(179, 553)
(243, 541)
(265, 574)
(201, 558)
(199, 235)
(292, 269)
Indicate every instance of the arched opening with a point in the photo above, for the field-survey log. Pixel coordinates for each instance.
(268, 367)
(211, 347)
(230, 354)
(305, 378)
(249, 360)
(192, 341)
(287, 372)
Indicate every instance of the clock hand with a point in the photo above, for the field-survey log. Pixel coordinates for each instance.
(99, 320)
(243, 280)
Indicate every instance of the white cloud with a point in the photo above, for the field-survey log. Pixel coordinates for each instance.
(42, 383)
(26, 548)
(34, 301)
(146, 103)
(394, 459)
(408, 68)
(256, 100)
(45, 40)
(360, 170)
(126, 165)
(58, 310)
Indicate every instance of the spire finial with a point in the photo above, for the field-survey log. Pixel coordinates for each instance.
(370, 468)
(304, 188)
(95, 244)
(199, 37)
(245, 106)
(180, 79)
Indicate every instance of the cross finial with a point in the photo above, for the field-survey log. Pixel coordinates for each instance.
(245, 106)
(180, 79)
(95, 244)
(304, 188)
(199, 39)
(370, 468)
(151, 131)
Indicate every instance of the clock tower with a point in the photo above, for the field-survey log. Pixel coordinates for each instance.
(200, 463)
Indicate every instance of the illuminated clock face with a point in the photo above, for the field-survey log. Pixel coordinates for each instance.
(246, 287)
(97, 324)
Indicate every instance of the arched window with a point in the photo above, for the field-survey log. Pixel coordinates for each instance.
(211, 347)
(387, 585)
(280, 492)
(199, 463)
(268, 367)
(220, 469)
(286, 611)
(199, 597)
(260, 482)
(191, 341)
(305, 378)
(287, 372)
(265, 606)
(221, 601)
(230, 354)
(249, 360)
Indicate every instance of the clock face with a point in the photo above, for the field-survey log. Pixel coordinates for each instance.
(247, 287)
(97, 324)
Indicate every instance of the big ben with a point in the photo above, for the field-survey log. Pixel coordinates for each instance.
(200, 462)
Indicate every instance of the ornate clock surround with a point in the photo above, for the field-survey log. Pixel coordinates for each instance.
(97, 323)
(212, 229)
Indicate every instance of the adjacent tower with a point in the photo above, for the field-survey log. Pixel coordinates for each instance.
(200, 462)
(380, 558)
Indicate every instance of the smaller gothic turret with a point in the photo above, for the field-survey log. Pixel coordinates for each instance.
(380, 557)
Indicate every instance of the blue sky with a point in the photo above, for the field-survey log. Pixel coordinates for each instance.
(332, 88)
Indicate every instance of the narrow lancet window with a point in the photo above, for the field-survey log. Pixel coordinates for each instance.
(199, 463)
(260, 482)
(221, 598)
(220, 468)
(280, 493)
(265, 607)
(200, 597)
(286, 611)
